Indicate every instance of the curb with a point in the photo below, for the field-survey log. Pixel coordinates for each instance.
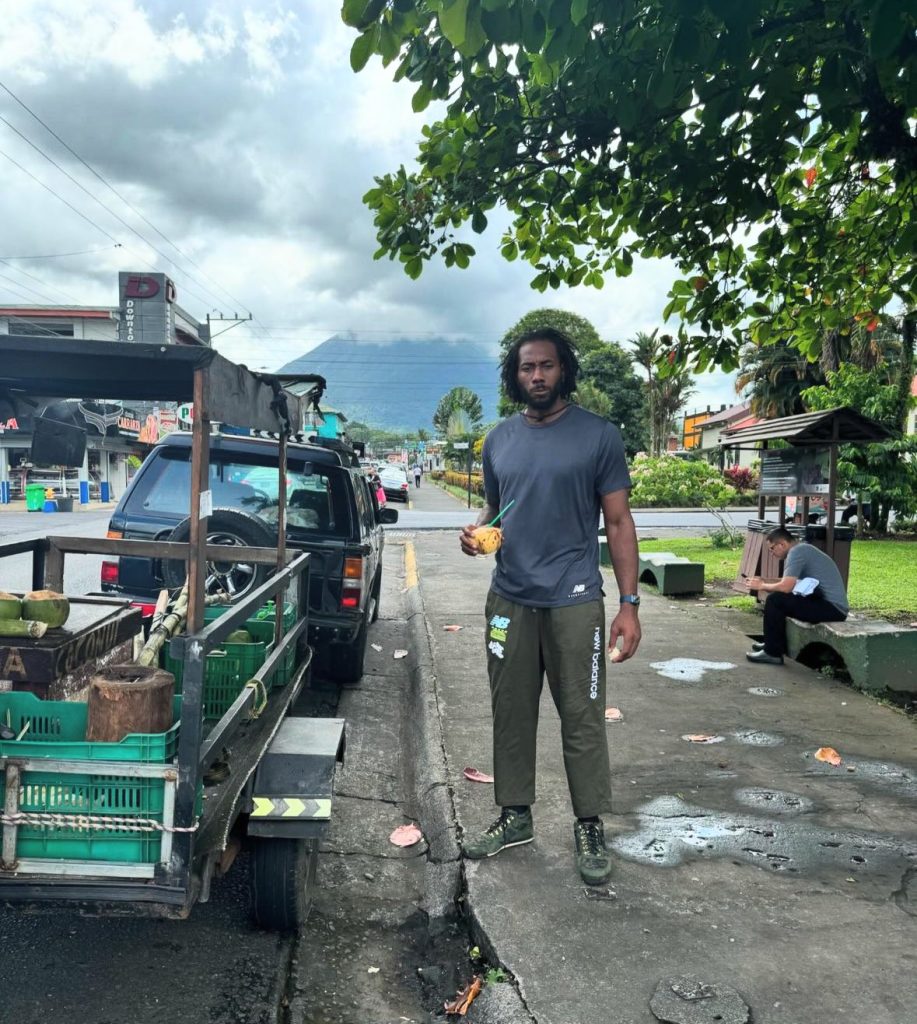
(446, 891)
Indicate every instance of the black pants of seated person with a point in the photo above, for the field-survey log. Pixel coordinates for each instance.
(778, 607)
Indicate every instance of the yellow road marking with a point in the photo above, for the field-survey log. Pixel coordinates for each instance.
(410, 565)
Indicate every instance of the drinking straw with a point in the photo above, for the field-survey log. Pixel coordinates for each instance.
(502, 512)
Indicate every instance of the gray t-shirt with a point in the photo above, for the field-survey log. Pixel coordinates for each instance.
(807, 560)
(556, 474)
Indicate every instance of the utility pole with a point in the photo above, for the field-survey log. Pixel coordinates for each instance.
(233, 321)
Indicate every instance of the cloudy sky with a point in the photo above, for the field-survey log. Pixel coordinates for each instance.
(238, 132)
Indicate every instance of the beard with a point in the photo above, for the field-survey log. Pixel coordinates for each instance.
(543, 399)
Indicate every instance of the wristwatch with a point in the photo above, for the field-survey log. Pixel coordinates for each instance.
(633, 599)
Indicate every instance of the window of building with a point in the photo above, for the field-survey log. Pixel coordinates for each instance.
(41, 328)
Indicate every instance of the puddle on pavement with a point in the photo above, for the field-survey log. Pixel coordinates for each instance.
(756, 738)
(765, 691)
(883, 774)
(774, 801)
(689, 670)
(672, 832)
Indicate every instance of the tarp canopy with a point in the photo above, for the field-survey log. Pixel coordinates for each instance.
(842, 425)
(35, 367)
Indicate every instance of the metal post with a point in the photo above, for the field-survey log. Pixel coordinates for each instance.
(280, 598)
(10, 808)
(200, 501)
(832, 489)
(470, 453)
(762, 497)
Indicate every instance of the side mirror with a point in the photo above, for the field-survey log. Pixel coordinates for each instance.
(388, 515)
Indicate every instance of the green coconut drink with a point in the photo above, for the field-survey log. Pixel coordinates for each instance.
(46, 606)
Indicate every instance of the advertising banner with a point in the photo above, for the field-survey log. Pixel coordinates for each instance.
(146, 308)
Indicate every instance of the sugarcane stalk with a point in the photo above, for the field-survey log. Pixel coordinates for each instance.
(171, 623)
(23, 627)
(162, 603)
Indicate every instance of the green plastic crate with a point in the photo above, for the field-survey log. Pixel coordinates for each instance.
(226, 671)
(98, 795)
(264, 631)
(57, 729)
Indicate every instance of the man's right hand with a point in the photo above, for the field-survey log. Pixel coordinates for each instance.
(467, 540)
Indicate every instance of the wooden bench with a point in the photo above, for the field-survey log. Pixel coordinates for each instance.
(672, 574)
(876, 654)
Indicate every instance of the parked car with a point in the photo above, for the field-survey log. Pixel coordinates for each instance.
(395, 482)
(331, 512)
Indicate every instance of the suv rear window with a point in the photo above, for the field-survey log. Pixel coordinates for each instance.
(317, 498)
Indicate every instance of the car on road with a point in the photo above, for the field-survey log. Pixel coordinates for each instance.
(331, 513)
(395, 482)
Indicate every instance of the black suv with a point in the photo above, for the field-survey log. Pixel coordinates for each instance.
(331, 512)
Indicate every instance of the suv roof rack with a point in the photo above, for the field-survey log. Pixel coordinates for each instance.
(335, 444)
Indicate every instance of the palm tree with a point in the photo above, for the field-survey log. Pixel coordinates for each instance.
(670, 394)
(458, 414)
(646, 351)
(773, 378)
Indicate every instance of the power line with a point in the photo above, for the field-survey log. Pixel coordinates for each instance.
(60, 255)
(32, 277)
(25, 287)
(99, 202)
(115, 192)
(48, 188)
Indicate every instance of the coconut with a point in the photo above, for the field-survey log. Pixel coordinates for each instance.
(488, 539)
(10, 606)
(239, 636)
(46, 606)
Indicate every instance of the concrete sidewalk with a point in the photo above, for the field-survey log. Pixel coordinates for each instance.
(744, 862)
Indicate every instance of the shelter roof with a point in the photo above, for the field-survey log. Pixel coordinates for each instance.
(810, 428)
(73, 368)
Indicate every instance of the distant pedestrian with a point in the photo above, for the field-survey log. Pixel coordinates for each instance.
(560, 465)
(418, 472)
(811, 589)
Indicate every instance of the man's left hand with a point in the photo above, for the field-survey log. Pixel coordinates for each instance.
(626, 625)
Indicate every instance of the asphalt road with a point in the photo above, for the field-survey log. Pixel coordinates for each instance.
(81, 572)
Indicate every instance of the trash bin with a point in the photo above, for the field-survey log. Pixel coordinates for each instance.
(34, 497)
(65, 504)
(84, 492)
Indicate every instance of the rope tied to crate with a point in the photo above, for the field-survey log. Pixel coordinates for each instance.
(260, 697)
(90, 822)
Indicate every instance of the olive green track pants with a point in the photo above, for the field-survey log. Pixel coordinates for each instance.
(566, 644)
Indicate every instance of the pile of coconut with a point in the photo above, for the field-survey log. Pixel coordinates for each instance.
(33, 615)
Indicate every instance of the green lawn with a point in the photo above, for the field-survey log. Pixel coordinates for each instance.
(882, 573)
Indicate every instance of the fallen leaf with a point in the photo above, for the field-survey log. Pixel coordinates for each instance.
(406, 835)
(376, 647)
(465, 998)
(829, 755)
(473, 775)
(400, 654)
(452, 629)
(373, 970)
(702, 737)
(613, 715)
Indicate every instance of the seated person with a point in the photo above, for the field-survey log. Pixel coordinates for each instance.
(828, 603)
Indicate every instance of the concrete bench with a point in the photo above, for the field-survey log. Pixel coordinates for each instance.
(672, 574)
(876, 654)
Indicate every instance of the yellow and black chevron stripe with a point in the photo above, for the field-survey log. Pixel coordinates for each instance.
(289, 807)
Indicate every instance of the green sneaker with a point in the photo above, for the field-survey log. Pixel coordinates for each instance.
(592, 858)
(512, 828)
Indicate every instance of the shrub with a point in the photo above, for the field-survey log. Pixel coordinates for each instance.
(741, 478)
(665, 481)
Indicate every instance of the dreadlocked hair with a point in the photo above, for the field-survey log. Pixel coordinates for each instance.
(566, 355)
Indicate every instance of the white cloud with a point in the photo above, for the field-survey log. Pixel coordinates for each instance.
(241, 132)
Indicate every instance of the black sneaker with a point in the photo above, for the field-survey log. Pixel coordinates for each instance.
(592, 859)
(512, 828)
(763, 658)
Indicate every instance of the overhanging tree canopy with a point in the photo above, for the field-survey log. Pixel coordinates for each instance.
(767, 146)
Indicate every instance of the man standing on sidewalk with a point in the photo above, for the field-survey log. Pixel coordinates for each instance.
(559, 465)
(796, 595)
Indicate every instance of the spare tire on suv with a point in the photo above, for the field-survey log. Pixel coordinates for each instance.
(233, 528)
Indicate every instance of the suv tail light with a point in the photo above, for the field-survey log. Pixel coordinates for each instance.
(110, 572)
(352, 583)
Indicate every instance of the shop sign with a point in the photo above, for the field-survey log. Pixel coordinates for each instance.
(186, 413)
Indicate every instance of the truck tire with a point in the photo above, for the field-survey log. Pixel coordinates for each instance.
(233, 528)
(345, 662)
(282, 882)
(376, 594)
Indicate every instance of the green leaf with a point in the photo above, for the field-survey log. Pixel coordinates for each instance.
(421, 99)
(578, 10)
(478, 222)
(887, 28)
(413, 268)
(453, 20)
(362, 49)
(361, 13)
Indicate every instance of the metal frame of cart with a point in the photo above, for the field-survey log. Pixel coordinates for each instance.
(264, 747)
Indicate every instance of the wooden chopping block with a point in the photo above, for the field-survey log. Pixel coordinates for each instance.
(129, 698)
